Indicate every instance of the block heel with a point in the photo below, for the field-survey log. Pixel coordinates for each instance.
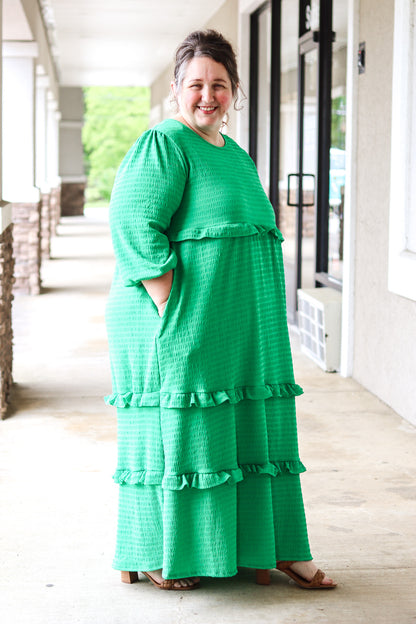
(129, 577)
(263, 577)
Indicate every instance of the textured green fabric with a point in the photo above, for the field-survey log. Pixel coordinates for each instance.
(208, 463)
(204, 490)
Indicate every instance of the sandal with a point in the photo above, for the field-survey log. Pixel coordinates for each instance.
(169, 584)
(315, 583)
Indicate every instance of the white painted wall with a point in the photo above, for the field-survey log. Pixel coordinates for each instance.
(384, 323)
(71, 154)
(18, 122)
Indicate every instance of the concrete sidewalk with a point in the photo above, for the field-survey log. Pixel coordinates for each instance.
(58, 502)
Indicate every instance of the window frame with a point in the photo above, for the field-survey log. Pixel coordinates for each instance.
(402, 261)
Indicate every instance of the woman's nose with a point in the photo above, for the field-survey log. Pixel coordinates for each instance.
(207, 93)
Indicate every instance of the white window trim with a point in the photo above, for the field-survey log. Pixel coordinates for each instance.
(402, 263)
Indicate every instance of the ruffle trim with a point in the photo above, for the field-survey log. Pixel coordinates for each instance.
(202, 399)
(204, 481)
(225, 230)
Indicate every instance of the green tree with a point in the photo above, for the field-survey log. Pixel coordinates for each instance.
(338, 122)
(114, 118)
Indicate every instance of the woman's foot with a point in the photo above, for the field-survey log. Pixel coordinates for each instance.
(156, 575)
(305, 574)
(307, 570)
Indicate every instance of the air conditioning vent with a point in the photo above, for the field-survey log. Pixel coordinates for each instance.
(319, 315)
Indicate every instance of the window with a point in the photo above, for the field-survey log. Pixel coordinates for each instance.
(402, 229)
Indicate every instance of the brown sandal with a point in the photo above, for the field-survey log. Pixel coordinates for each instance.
(315, 583)
(169, 584)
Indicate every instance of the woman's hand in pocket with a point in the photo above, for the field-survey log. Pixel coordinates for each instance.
(159, 290)
(161, 307)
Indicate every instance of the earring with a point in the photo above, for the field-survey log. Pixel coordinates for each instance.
(225, 121)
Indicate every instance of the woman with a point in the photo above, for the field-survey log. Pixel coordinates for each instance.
(208, 462)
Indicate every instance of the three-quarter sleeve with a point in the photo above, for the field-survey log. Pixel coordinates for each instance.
(147, 191)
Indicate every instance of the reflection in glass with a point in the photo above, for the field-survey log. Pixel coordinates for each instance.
(288, 141)
(263, 102)
(310, 134)
(337, 150)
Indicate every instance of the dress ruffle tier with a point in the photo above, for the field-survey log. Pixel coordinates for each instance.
(208, 494)
(202, 481)
(203, 399)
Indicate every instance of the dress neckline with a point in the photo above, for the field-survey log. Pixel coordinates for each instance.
(224, 136)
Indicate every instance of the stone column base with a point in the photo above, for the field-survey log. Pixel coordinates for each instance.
(45, 226)
(6, 330)
(72, 199)
(26, 246)
(55, 208)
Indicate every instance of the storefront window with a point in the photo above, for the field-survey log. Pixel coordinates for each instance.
(263, 98)
(288, 156)
(337, 150)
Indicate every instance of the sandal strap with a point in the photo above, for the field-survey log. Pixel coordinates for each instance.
(168, 583)
(284, 565)
(317, 579)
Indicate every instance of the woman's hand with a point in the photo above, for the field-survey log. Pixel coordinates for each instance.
(161, 307)
(159, 289)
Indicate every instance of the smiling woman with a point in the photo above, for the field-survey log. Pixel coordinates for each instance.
(208, 462)
(204, 97)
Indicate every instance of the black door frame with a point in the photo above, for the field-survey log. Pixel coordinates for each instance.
(275, 6)
(322, 39)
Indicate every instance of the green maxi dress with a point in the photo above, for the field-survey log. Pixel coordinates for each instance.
(208, 462)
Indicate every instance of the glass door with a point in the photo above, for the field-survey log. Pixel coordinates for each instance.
(297, 133)
(288, 153)
(299, 170)
(306, 201)
(263, 96)
(304, 180)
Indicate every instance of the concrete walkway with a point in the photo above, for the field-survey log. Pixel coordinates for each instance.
(58, 503)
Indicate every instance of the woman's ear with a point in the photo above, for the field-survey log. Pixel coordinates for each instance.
(173, 89)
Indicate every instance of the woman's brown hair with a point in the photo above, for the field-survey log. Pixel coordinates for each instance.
(209, 43)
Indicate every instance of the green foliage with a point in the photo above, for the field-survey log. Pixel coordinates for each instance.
(114, 118)
(338, 121)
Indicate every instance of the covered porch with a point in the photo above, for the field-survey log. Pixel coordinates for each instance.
(58, 452)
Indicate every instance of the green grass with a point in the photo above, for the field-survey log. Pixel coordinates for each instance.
(99, 203)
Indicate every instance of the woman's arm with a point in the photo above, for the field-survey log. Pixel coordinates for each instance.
(158, 289)
(147, 192)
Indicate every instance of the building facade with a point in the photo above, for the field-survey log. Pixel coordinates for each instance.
(329, 120)
(328, 107)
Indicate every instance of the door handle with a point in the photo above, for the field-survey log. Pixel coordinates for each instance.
(297, 175)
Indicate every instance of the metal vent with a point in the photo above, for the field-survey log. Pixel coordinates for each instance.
(319, 315)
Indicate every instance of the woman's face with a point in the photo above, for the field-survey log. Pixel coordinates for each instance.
(205, 96)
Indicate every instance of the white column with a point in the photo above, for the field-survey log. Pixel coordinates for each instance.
(52, 149)
(42, 84)
(1, 105)
(18, 126)
(5, 209)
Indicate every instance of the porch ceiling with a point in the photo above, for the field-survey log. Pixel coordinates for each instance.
(121, 42)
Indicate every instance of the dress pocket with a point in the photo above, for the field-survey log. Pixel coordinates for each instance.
(171, 295)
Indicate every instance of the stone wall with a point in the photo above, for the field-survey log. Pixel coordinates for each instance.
(72, 199)
(45, 227)
(27, 246)
(55, 208)
(6, 331)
